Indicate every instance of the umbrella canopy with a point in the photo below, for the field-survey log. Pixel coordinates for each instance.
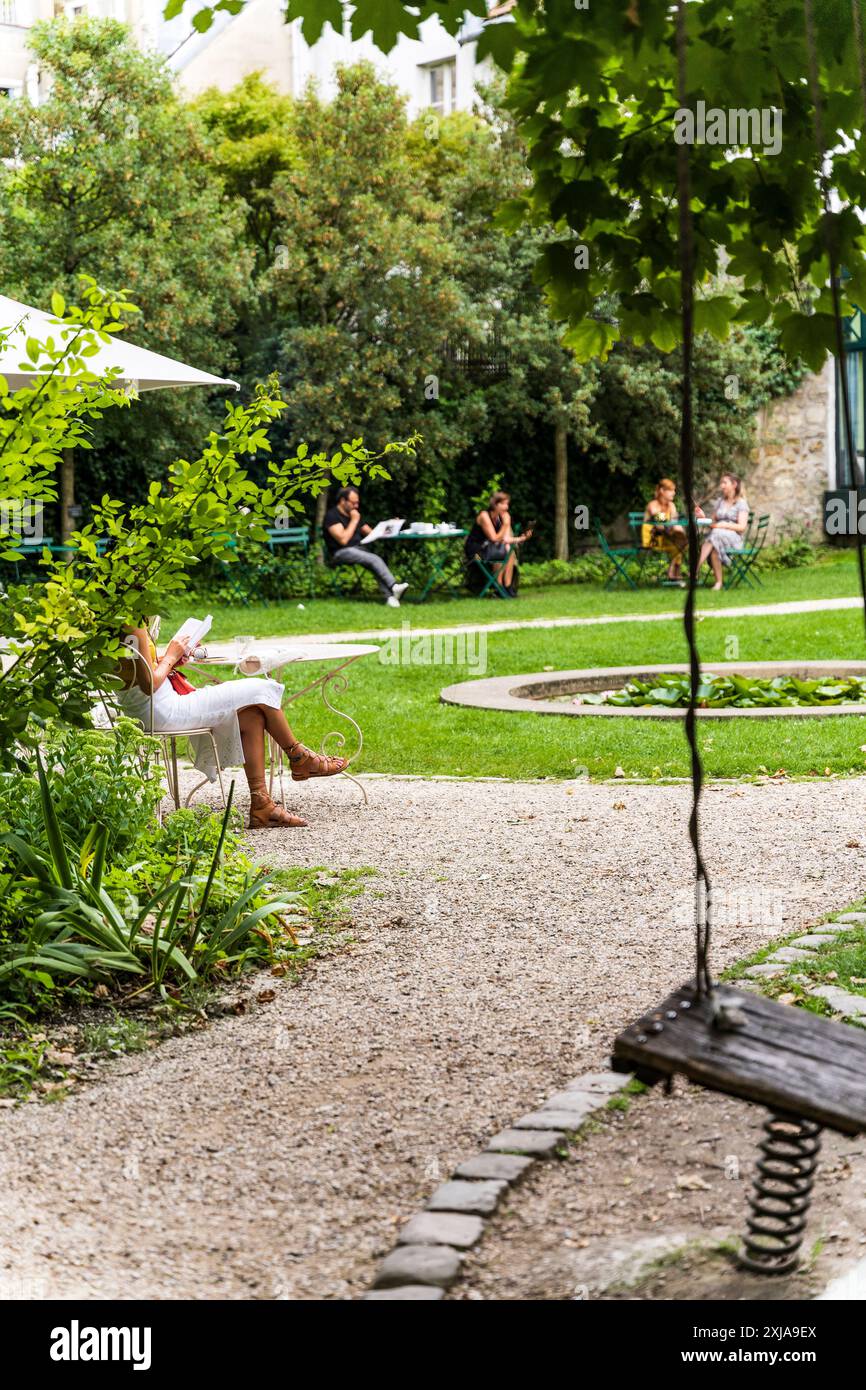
(142, 369)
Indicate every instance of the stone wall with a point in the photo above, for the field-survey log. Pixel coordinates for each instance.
(787, 476)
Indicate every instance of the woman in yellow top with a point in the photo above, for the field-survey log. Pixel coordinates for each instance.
(670, 539)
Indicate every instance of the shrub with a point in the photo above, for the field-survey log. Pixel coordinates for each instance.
(588, 568)
(191, 919)
(95, 777)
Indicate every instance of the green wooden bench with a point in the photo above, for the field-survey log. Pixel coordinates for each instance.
(296, 537)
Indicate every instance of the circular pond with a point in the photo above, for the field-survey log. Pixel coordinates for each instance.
(553, 692)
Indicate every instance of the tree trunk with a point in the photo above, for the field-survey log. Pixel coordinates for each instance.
(321, 508)
(67, 495)
(560, 491)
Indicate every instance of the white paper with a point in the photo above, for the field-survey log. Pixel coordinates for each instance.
(259, 662)
(383, 529)
(193, 630)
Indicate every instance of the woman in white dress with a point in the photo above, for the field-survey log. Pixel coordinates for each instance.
(238, 711)
(728, 527)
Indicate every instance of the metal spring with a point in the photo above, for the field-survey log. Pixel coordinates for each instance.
(781, 1194)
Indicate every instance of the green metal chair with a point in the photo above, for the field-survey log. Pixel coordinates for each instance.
(295, 537)
(743, 562)
(619, 557)
(491, 584)
(240, 576)
(347, 581)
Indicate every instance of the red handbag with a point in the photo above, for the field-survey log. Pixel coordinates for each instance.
(180, 683)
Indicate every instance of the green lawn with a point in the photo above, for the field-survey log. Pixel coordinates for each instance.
(834, 576)
(408, 730)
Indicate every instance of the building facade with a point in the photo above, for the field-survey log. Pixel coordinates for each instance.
(19, 74)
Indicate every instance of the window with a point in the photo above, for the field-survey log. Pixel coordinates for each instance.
(7, 16)
(442, 84)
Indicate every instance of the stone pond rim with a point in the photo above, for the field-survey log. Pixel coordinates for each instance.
(526, 692)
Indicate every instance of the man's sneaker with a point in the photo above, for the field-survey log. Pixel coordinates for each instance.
(399, 590)
(392, 602)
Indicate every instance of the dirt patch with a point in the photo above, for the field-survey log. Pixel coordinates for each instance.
(651, 1204)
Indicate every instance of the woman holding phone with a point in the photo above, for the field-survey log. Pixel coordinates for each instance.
(493, 540)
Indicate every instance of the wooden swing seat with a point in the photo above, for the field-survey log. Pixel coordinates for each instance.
(788, 1059)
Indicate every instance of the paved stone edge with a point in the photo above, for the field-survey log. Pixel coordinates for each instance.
(430, 1247)
(427, 1257)
(808, 946)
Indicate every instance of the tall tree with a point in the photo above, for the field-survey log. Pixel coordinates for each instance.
(113, 176)
(472, 164)
(597, 96)
(362, 283)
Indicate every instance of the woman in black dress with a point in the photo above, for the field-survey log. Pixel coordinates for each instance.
(492, 539)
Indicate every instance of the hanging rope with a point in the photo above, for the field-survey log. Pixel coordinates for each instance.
(687, 470)
(829, 241)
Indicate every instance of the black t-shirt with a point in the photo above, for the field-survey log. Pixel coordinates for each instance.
(334, 517)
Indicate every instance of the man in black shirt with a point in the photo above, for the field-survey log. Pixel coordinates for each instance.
(343, 528)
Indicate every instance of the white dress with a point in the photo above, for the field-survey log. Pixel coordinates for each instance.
(213, 706)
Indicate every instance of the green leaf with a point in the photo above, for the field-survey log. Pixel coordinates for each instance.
(314, 15)
(202, 20)
(500, 42)
(591, 338)
(511, 214)
(53, 833)
(714, 315)
(807, 336)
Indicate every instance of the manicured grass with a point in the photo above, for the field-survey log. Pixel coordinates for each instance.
(408, 730)
(833, 575)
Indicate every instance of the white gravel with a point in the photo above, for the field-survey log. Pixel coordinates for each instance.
(500, 945)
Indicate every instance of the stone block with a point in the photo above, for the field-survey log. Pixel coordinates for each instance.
(419, 1264)
(479, 1198)
(441, 1228)
(542, 1143)
(551, 1119)
(502, 1167)
(603, 1083)
(851, 1005)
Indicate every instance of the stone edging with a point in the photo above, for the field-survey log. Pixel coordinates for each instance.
(427, 1258)
(803, 948)
(522, 692)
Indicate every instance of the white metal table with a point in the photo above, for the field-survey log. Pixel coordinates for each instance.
(268, 658)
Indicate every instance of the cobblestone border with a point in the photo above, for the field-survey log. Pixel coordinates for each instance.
(427, 1257)
(800, 948)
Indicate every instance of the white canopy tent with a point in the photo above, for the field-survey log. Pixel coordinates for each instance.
(141, 369)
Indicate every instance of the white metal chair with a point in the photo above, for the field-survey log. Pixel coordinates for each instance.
(168, 746)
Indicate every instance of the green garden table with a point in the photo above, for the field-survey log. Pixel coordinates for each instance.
(441, 545)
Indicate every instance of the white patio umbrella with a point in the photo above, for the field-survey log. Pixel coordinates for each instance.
(140, 368)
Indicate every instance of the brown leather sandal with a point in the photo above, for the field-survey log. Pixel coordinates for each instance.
(265, 812)
(305, 763)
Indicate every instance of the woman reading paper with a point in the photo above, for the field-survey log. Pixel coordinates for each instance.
(240, 713)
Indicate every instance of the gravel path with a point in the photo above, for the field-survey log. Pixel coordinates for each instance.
(499, 946)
